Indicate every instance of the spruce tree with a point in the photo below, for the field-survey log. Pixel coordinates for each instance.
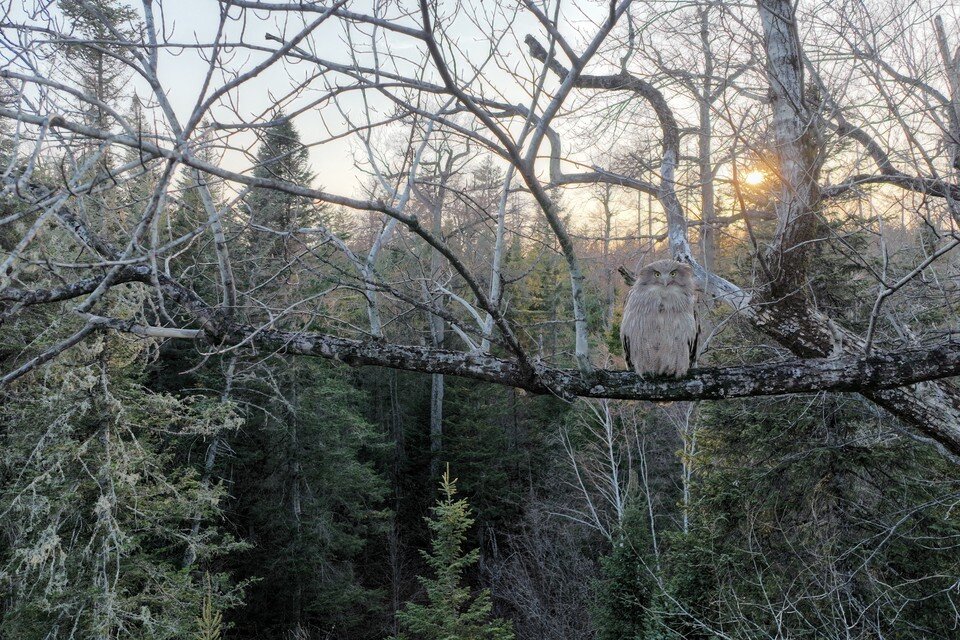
(307, 492)
(625, 591)
(104, 24)
(451, 613)
(282, 158)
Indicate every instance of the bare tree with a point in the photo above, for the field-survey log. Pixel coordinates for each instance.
(516, 96)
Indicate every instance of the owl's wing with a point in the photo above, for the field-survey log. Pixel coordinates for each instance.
(695, 340)
(625, 340)
(626, 322)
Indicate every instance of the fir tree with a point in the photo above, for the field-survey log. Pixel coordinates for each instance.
(307, 493)
(310, 500)
(281, 158)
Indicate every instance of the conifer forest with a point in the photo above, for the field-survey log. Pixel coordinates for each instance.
(310, 319)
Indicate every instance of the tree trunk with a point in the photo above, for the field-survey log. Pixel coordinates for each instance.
(705, 139)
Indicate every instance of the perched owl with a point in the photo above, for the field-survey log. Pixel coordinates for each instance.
(659, 331)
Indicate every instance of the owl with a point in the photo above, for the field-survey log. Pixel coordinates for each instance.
(659, 331)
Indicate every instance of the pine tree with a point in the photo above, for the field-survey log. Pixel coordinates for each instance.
(451, 613)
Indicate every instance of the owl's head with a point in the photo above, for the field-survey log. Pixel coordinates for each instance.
(666, 273)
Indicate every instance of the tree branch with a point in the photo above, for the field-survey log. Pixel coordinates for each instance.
(879, 371)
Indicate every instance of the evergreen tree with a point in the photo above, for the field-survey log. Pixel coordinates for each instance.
(186, 214)
(309, 499)
(801, 505)
(451, 613)
(307, 492)
(280, 158)
(497, 439)
(95, 507)
(105, 24)
(543, 300)
(625, 591)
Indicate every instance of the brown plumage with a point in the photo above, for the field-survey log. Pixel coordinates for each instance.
(659, 330)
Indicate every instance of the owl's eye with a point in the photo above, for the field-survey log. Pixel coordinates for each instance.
(674, 272)
(656, 274)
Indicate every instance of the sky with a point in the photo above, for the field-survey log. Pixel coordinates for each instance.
(182, 73)
(333, 162)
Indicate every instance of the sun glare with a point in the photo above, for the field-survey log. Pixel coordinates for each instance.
(755, 177)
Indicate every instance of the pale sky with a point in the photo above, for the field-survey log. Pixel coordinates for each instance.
(182, 73)
(196, 21)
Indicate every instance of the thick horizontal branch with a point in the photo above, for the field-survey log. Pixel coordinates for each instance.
(882, 377)
(878, 371)
(868, 374)
(856, 374)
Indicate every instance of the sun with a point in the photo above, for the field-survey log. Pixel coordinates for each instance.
(754, 177)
